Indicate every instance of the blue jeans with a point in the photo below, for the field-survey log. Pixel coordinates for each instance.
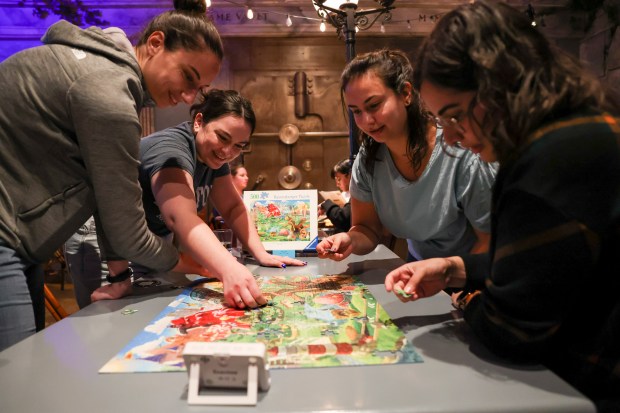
(83, 258)
(22, 301)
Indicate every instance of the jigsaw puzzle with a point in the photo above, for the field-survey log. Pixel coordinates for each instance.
(310, 321)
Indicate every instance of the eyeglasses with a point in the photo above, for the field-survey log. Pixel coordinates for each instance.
(451, 122)
(454, 122)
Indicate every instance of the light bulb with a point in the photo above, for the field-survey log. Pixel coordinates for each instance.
(408, 25)
(289, 22)
(322, 26)
(382, 28)
(208, 3)
(250, 14)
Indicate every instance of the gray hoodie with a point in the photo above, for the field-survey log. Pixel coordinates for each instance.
(69, 141)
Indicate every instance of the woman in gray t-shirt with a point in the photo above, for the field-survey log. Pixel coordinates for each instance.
(184, 166)
(404, 179)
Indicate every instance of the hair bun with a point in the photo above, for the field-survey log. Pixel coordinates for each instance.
(191, 6)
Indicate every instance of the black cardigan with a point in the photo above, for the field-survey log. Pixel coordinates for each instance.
(340, 217)
(551, 280)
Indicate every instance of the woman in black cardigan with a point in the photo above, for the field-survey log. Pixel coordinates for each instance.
(547, 290)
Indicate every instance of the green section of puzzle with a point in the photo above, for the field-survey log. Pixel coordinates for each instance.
(312, 321)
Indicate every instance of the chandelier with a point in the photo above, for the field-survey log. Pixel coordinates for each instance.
(347, 18)
(345, 15)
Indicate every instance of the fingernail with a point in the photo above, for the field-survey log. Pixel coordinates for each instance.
(283, 265)
(305, 262)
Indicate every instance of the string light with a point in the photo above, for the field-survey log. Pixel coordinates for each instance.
(531, 14)
(322, 26)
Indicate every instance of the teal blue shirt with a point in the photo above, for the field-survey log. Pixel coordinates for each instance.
(438, 212)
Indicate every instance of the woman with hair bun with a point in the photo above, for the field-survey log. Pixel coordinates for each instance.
(70, 132)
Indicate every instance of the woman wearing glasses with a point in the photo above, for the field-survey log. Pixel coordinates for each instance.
(547, 291)
(403, 179)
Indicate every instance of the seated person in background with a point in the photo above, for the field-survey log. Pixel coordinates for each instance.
(403, 179)
(240, 181)
(547, 291)
(240, 178)
(181, 167)
(339, 215)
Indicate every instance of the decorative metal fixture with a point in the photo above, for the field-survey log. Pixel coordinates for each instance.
(347, 18)
(289, 177)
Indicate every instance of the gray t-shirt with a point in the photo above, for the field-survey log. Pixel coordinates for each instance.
(173, 147)
(436, 213)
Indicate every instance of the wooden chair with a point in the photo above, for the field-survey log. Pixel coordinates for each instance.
(53, 306)
(58, 265)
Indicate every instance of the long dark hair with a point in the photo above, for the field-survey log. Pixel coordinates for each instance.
(186, 27)
(342, 167)
(394, 69)
(521, 79)
(217, 103)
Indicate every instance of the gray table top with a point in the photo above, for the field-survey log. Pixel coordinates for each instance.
(56, 370)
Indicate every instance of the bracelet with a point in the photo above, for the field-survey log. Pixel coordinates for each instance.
(119, 277)
(464, 301)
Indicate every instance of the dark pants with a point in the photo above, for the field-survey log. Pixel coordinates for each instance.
(22, 300)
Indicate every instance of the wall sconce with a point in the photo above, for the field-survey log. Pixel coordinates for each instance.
(347, 18)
